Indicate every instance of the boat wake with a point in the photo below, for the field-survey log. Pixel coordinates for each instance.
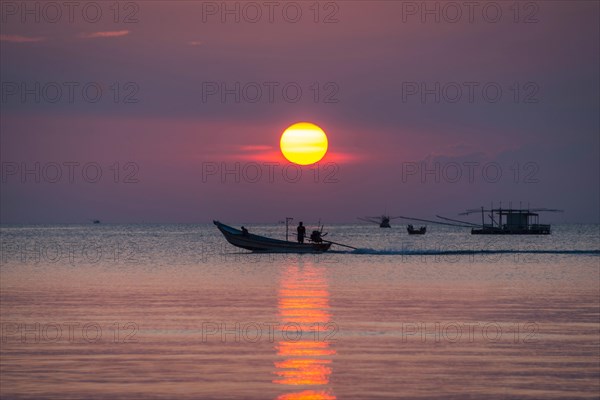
(425, 252)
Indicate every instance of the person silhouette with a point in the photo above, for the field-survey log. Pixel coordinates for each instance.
(244, 231)
(301, 232)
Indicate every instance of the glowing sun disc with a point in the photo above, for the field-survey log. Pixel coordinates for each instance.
(303, 143)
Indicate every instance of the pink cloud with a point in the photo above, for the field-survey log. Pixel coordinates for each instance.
(195, 43)
(104, 34)
(256, 148)
(263, 153)
(20, 39)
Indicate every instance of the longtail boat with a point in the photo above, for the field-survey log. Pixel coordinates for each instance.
(257, 243)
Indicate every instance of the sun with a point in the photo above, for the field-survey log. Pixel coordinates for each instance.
(303, 143)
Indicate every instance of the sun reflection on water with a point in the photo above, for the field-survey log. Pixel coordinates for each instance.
(306, 359)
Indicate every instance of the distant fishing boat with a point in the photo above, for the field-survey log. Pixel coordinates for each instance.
(96, 221)
(412, 231)
(511, 221)
(383, 221)
(257, 243)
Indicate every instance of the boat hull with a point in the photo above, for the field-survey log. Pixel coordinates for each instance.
(262, 244)
(491, 231)
(535, 229)
(412, 231)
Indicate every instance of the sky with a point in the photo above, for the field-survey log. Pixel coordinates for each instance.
(172, 111)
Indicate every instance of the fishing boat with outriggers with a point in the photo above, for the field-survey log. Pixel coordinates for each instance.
(383, 221)
(510, 221)
(257, 243)
(503, 221)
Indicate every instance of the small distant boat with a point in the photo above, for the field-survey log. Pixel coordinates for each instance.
(259, 243)
(383, 221)
(96, 221)
(412, 231)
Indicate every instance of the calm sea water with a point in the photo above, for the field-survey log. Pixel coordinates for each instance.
(173, 311)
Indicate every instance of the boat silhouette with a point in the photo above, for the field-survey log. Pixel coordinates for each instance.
(257, 243)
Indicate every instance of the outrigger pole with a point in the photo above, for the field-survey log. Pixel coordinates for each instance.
(434, 222)
(339, 244)
(456, 220)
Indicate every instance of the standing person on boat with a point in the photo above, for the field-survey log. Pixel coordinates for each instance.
(301, 233)
(244, 231)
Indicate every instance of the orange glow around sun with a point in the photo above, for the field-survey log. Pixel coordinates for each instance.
(304, 143)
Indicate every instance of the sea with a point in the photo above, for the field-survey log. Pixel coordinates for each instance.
(172, 311)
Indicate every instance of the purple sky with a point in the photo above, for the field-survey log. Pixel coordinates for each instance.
(369, 66)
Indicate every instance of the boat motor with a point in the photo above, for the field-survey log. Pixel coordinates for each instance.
(315, 236)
